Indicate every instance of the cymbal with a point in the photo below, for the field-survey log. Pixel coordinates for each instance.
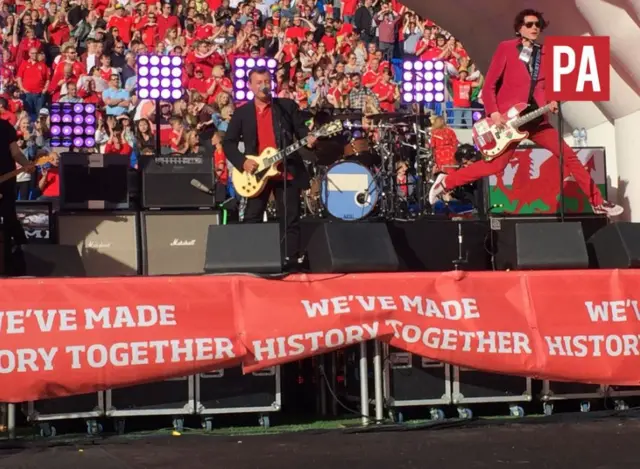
(389, 116)
(348, 116)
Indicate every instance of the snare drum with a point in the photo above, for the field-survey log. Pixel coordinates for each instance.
(349, 191)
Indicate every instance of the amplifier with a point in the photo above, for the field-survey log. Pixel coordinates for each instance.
(94, 181)
(36, 220)
(175, 243)
(166, 181)
(107, 241)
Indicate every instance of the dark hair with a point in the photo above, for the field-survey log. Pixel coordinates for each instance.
(519, 21)
(466, 152)
(259, 71)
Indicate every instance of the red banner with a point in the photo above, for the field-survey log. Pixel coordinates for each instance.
(72, 336)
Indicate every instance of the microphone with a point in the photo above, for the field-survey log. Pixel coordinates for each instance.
(266, 90)
(201, 187)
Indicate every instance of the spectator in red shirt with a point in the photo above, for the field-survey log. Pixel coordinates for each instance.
(33, 80)
(5, 113)
(117, 144)
(49, 182)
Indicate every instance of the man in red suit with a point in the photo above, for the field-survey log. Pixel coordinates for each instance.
(508, 82)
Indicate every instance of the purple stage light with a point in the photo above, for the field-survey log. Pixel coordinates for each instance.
(476, 116)
(90, 142)
(423, 81)
(161, 77)
(78, 121)
(241, 69)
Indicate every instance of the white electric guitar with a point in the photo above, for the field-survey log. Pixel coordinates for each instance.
(251, 185)
(492, 140)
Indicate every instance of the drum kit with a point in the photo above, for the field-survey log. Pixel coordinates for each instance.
(380, 166)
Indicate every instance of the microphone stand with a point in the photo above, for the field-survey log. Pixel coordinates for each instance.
(561, 158)
(285, 172)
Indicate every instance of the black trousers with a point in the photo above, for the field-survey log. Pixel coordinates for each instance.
(254, 213)
(12, 230)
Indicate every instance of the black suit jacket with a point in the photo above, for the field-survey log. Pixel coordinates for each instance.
(288, 122)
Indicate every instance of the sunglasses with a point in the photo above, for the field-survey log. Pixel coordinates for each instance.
(531, 24)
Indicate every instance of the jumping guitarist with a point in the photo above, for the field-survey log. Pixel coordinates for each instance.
(270, 122)
(516, 75)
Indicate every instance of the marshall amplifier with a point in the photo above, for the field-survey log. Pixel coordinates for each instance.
(175, 243)
(107, 241)
(94, 181)
(36, 220)
(167, 181)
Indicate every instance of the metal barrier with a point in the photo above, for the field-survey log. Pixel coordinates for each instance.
(462, 118)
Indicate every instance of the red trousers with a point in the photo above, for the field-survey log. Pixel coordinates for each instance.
(546, 137)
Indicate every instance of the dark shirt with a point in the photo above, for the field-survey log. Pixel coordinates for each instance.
(8, 136)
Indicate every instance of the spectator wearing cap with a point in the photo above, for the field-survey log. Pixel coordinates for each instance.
(123, 22)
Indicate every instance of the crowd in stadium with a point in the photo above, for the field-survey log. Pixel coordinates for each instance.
(330, 53)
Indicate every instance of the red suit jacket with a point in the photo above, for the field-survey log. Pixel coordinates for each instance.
(508, 80)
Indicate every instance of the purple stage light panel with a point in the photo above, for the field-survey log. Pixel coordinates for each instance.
(423, 81)
(161, 77)
(78, 121)
(90, 142)
(241, 69)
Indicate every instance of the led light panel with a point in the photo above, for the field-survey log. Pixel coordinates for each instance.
(159, 77)
(73, 125)
(422, 81)
(240, 76)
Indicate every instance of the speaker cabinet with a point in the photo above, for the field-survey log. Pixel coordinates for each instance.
(544, 246)
(244, 247)
(50, 260)
(352, 247)
(175, 243)
(502, 236)
(107, 241)
(616, 246)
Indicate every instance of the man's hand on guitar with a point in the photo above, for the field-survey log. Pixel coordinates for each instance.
(553, 107)
(30, 168)
(249, 166)
(311, 141)
(498, 119)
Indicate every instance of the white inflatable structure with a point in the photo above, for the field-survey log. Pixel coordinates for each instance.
(615, 125)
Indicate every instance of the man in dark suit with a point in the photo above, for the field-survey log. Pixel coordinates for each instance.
(269, 122)
(508, 82)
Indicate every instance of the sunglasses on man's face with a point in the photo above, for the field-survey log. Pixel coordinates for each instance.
(531, 24)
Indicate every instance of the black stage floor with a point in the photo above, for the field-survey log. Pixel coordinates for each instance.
(610, 443)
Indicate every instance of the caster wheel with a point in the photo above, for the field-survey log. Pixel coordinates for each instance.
(47, 431)
(437, 414)
(178, 424)
(264, 421)
(93, 427)
(547, 408)
(585, 406)
(118, 425)
(465, 413)
(395, 416)
(516, 411)
(621, 406)
(207, 424)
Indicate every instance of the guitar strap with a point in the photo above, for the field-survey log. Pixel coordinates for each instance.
(535, 72)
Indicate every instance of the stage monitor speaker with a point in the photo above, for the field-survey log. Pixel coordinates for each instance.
(50, 260)
(94, 181)
(248, 248)
(167, 181)
(616, 246)
(107, 241)
(352, 247)
(175, 243)
(546, 246)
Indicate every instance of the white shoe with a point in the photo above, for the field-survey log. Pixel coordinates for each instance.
(609, 209)
(437, 189)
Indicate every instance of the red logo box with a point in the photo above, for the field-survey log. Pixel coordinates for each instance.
(577, 68)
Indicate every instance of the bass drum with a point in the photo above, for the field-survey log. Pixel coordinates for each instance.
(349, 191)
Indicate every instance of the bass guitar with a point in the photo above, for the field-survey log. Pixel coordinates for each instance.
(492, 140)
(252, 184)
(39, 162)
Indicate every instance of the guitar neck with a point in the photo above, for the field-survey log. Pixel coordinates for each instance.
(531, 116)
(294, 147)
(11, 175)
